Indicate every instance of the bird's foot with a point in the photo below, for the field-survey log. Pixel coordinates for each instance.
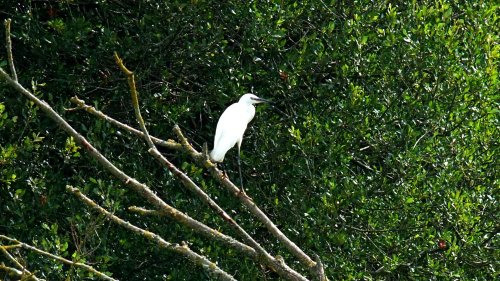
(243, 193)
(224, 174)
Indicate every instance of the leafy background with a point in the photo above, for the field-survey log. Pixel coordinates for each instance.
(384, 161)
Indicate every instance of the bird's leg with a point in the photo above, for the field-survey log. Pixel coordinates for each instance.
(242, 191)
(239, 168)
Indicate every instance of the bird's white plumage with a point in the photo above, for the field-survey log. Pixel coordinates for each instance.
(232, 125)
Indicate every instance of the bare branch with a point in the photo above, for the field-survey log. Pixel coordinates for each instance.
(135, 99)
(8, 45)
(420, 138)
(180, 249)
(58, 258)
(18, 273)
(171, 144)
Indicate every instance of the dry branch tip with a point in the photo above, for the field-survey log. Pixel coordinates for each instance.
(8, 45)
(120, 64)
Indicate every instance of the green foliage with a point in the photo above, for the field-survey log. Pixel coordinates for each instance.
(385, 162)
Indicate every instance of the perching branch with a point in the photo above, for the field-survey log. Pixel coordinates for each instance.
(55, 257)
(216, 173)
(254, 209)
(203, 161)
(264, 256)
(183, 250)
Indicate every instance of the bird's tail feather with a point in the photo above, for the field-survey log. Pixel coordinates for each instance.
(217, 156)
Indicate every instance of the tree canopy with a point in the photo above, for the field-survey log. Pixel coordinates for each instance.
(380, 155)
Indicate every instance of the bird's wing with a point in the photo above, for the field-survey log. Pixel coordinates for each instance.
(229, 132)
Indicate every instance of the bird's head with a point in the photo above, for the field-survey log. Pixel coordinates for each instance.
(251, 99)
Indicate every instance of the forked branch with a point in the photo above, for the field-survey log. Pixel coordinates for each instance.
(183, 250)
(19, 270)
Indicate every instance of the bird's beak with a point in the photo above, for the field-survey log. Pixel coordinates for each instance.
(261, 100)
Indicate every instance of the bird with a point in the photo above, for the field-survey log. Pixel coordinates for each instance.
(231, 126)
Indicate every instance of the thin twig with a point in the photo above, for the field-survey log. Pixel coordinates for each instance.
(419, 139)
(58, 258)
(170, 144)
(180, 249)
(8, 45)
(135, 99)
(145, 212)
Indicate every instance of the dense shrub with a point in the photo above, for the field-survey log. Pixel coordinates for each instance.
(382, 158)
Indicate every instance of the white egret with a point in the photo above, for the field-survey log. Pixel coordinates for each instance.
(231, 127)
